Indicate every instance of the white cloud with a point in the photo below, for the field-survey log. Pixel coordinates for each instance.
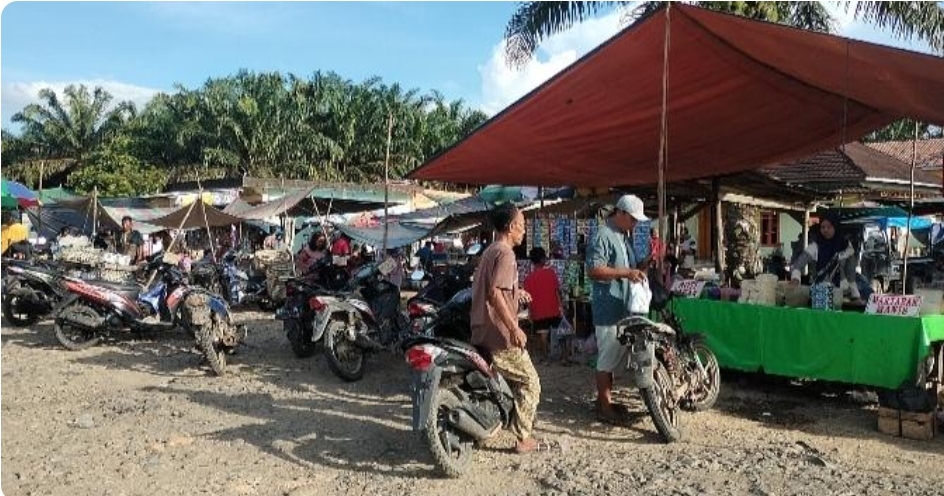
(502, 85)
(15, 96)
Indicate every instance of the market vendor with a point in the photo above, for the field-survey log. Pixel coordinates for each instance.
(829, 247)
(130, 242)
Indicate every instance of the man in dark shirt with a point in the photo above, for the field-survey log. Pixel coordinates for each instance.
(129, 241)
(494, 317)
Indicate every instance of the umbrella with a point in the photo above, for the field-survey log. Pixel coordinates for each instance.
(14, 195)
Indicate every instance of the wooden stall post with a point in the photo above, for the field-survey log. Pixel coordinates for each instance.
(717, 228)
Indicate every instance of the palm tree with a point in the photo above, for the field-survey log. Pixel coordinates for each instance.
(74, 128)
(534, 22)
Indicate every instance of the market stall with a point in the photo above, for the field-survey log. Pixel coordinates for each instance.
(874, 350)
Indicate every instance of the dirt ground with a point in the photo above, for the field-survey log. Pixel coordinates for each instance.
(145, 416)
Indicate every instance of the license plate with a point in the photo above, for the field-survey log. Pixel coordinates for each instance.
(287, 313)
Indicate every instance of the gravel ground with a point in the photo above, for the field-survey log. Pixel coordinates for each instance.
(145, 416)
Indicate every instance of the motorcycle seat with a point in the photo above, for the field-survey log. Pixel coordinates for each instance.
(126, 289)
(483, 352)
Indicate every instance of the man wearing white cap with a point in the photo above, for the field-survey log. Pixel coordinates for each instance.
(611, 263)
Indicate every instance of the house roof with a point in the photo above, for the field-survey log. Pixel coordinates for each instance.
(852, 165)
(930, 152)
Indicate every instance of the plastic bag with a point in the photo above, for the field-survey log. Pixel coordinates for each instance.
(640, 297)
(563, 330)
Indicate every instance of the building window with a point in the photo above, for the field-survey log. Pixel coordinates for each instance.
(769, 228)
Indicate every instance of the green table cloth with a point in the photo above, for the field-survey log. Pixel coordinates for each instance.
(874, 350)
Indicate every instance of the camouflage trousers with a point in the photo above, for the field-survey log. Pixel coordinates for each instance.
(516, 367)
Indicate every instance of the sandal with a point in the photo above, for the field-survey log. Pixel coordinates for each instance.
(531, 446)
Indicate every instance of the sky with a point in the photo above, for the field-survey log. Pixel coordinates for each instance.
(136, 49)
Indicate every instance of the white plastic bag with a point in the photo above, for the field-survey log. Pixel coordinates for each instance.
(640, 297)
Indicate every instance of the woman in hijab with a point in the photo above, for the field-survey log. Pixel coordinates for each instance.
(829, 246)
(314, 251)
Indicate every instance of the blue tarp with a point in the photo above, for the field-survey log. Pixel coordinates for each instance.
(917, 223)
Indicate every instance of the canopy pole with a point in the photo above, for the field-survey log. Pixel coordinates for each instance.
(914, 161)
(39, 228)
(387, 184)
(718, 228)
(663, 132)
(94, 210)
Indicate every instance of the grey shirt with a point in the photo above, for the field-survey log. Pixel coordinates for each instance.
(610, 299)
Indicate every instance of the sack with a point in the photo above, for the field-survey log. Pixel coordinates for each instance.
(563, 330)
(640, 297)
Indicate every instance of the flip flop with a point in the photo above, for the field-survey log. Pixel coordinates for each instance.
(537, 447)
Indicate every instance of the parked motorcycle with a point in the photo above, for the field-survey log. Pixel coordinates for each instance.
(458, 399)
(441, 287)
(673, 370)
(31, 289)
(95, 309)
(348, 326)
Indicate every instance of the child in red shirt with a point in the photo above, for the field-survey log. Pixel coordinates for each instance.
(544, 288)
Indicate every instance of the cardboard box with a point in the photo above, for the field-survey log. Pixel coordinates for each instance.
(910, 425)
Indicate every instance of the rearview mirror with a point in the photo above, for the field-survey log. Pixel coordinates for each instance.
(474, 250)
(417, 275)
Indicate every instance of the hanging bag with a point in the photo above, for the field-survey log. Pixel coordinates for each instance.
(564, 329)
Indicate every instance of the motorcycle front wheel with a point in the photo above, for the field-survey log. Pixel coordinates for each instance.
(345, 358)
(662, 406)
(12, 312)
(451, 449)
(212, 350)
(705, 394)
(299, 337)
(73, 336)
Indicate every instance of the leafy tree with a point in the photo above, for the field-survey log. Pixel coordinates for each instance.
(115, 171)
(904, 130)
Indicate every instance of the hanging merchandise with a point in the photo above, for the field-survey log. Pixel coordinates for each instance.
(641, 239)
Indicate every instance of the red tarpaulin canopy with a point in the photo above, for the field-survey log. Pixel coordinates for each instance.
(741, 94)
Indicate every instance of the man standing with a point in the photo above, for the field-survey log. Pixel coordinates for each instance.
(611, 263)
(130, 242)
(494, 317)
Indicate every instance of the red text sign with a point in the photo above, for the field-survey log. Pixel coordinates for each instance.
(688, 287)
(885, 304)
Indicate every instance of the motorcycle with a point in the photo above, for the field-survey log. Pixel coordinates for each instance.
(672, 369)
(347, 326)
(458, 399)
(93, 310)
(441, 287)
(31, 289)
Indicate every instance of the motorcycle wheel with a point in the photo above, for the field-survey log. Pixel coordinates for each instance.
(451, 449)
(73, 337)
(10, 312)
(705, 397)
(345, 358)
(299, 337)
(214, 353)
(662, 407)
